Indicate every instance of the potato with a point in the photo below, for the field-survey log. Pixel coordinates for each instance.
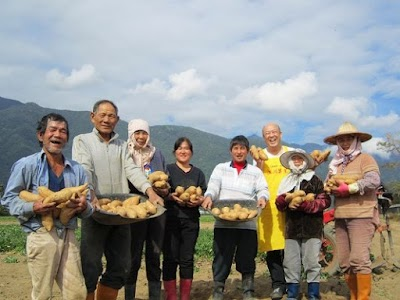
(134, 200)
(237, 207)
(140, 211)
(29, 197)
(150, 207)
(191, 190)
(225, 210)
(254, 152)
(131, 212)
(44, 191)
(290, 196)
(157, 176)
(216, 211)
(252, 214)
(115, 203)
(261, 154)
(243, 215)
(309, 197)
(185, 196)
(47, 221)
(179, 190)
(104, 201)
(199, 191)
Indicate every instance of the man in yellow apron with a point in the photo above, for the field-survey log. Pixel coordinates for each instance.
(271, 223)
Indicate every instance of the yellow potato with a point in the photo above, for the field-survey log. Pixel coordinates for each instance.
(216, 211)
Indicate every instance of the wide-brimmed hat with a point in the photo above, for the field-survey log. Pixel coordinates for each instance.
(285, 158)
(347, 128)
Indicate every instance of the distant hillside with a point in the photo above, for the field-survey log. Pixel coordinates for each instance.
(18, 125)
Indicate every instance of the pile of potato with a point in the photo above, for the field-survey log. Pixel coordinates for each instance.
(188, 195)
(61, 198)
(236, 213)
(257, 153)
(335, 181)
(298, 197)
(129, 208)
(159, 179)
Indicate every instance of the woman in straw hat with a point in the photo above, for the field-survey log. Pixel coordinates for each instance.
(354, 177)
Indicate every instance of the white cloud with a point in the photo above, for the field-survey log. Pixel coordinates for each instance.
(156, 86)
(348, 108)
(85, 75)
(186, 84)
(285, 96)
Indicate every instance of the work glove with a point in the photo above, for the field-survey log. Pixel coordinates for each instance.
(344, 190)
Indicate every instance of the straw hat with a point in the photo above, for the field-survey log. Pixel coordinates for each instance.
(285, 158)
(347, 128)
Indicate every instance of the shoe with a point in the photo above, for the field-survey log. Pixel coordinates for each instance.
(277, 293)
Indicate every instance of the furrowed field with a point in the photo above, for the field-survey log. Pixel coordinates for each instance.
(15, 279)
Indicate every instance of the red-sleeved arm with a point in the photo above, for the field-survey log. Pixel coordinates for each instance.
(321, 202)
(281, 203)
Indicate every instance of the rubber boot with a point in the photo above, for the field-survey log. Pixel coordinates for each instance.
(248, 286)
(170, 290)
(363, 286)
(130, 291)
(154, 290)
(313, 291)
(106, 293)
(90, 296)
(293, 291)
(351, 281)
(218, 293)
(185, 287)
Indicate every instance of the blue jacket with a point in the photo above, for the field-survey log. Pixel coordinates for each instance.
(29, 173)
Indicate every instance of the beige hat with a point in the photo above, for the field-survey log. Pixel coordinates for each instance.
(347, 128)
(285, 157)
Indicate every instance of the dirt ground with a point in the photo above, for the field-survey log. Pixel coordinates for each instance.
(15, 280)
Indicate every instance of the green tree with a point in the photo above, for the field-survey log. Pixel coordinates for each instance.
(391, 144)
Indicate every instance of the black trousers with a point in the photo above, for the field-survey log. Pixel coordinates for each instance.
(238, 244)
(147, 234)
(275, 267)
(179, 245)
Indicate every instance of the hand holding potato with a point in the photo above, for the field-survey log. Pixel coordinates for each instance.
(43, 208)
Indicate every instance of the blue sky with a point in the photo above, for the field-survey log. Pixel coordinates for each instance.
(225, 67)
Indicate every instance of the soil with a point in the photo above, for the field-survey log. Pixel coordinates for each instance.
(15, 281)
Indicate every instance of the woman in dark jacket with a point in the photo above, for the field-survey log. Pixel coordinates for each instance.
(304, 224)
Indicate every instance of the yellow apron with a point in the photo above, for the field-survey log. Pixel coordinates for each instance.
(271, 223)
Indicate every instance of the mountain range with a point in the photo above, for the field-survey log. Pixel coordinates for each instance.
(18, 138)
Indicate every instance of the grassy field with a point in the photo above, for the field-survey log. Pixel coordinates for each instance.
(12, 238)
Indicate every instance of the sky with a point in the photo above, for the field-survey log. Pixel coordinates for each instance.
(226, 67)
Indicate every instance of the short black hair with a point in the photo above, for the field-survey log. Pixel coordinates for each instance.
(239, 140)
(42, 124)
(179, 142)
(100, 102)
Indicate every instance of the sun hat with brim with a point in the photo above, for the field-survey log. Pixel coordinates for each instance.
(285, 158)
(347, 128)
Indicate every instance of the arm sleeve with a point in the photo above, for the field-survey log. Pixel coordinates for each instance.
(81, 154)
(321, 202)
(16, 206)
(281, 203)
